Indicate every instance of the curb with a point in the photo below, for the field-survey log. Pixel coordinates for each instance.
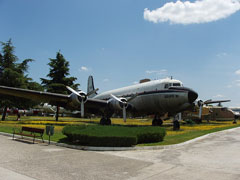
(91, 148)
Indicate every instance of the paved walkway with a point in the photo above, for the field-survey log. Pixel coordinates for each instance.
(214, 157)
(25, 161)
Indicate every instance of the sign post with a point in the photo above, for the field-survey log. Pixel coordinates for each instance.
(49, 132)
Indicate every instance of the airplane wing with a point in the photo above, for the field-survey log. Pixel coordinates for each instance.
(91, 105)
(34, 95)
(212, 102)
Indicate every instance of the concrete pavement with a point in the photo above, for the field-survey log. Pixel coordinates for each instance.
(22, 160)
(213, 157)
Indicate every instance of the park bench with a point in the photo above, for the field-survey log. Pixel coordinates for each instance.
(30, 132)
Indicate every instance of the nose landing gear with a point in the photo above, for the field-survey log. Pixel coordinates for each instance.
(105, 121)
(176, 123)
(157, 121)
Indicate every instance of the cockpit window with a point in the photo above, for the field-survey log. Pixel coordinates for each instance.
(176, 84)
(166, 86)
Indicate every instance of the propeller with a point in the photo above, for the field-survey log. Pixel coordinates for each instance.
(52, 109)
(73, 91)
(124, 104)
(83, 97)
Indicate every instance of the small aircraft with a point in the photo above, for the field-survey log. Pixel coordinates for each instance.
(236, 110)
(156, 97)
(14, 111)
(210, 101)
(46, 108)
(204, 110)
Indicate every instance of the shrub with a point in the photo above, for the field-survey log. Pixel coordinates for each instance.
(150, 134)
(71, 130)
(113, 136)
(106, 141)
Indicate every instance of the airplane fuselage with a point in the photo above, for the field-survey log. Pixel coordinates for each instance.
(154, 97)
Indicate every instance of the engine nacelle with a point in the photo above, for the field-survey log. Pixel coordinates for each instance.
(75, 99)
(117, 105)
(83, 95)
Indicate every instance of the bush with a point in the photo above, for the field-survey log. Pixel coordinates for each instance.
(113, 136)
(70, 130)
(106, 141)
(150, 134)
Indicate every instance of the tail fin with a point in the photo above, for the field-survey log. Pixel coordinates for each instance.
(90, 87)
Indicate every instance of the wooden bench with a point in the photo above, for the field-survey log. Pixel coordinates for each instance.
(30, 132)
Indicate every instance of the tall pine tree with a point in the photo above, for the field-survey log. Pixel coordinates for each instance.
(58, 80)
(13, 74)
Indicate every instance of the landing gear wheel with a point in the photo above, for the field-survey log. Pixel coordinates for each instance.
(102, 121)
(108, 121)
(105, 121)
(157, 122)
(176, 125)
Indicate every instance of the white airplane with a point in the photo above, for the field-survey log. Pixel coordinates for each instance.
(49, 109)
(156, 97)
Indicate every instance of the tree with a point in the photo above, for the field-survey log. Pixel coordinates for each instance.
(59, 70)
(13, 74)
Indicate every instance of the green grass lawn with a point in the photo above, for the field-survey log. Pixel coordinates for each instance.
(179, 138)
(56, 137)
(187, 132)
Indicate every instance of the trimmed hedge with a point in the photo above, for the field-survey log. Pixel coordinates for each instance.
(150, 134)
(105, 141)
(113, 136)
(71, 130)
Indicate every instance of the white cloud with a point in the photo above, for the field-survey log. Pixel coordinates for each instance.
(218, 96)
(221, 55)
(237, 72)
(200, 11)
(237, 83)
(159, 72)
(83, 68)
(106, 80)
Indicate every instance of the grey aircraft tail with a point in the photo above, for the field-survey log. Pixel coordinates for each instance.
(90, 87)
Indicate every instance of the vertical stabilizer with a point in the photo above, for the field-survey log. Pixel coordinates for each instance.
(90, 87)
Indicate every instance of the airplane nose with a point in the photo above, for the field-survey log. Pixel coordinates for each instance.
(192, 96)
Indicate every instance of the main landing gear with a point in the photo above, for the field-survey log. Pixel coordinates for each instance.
(176, 123)
(157, 121)
(105, 121)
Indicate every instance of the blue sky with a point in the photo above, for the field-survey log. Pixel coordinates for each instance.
(121, 42)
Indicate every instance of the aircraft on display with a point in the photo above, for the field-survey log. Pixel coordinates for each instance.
(223, 113)
(236, 110)
(22, 112)
(48, 109)
(204, 110)
(156, 97)
(201, 104)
